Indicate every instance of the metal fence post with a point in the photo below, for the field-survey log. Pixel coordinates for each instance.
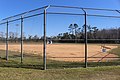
(44, 46)
(86, 40)
(85, 28)
(21, 39)
(7, 41)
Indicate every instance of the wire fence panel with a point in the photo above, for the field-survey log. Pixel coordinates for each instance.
(23, 40)
(103, 40)
(13, 41)
(62, 45)
(33, 41)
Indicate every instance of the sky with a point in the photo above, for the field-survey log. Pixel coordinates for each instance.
(55, 24)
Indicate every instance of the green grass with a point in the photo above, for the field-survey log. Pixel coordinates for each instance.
(116, 51)
(97, 73)
(32, 66)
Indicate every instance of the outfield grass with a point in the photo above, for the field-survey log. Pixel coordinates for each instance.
(116, 51)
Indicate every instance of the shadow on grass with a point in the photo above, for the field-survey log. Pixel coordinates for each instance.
(31, 61)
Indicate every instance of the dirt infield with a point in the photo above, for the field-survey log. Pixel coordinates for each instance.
(65, 52)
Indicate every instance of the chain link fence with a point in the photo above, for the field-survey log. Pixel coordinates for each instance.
(61, 37)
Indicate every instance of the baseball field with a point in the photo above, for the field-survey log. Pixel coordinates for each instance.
(67, 52)
(67, 66)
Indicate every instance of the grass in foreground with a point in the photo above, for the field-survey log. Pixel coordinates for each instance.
(32, 66)
(97, 73)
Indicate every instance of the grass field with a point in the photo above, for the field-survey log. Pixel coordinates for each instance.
(32, 66)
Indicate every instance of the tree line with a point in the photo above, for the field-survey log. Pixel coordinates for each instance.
(15, 37)
(75, 33)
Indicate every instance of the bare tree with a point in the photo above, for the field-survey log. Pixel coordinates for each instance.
(30, 37)
(11, 36)
(71, 29)
(36, 38)
(95, 30)
(1, 35)
(16, 36)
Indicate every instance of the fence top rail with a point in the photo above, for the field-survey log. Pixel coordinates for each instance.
(21, 14)
(71, 7)
(84, 8)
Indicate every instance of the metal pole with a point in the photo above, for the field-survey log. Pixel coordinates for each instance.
(7, 41)
(44, 47)
(21, 39)
(86, 54)
(85, 40)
